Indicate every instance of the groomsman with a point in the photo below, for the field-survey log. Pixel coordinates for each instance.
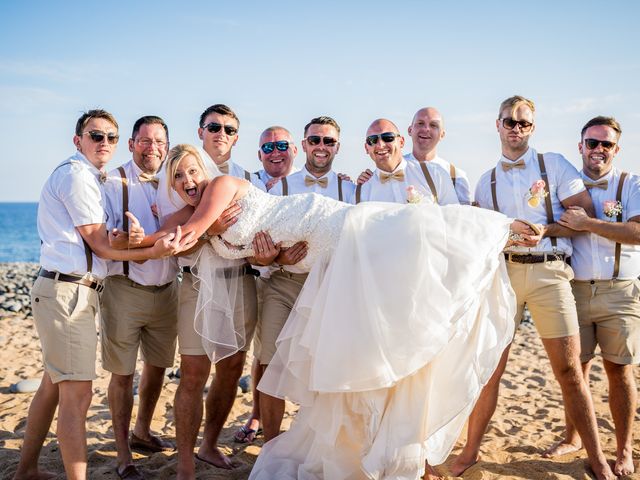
(426, 132)
(321, 144)
(393, 174)
(606, 262)
(276, 163)
(538, 188)
(139, 304)
(65, 296)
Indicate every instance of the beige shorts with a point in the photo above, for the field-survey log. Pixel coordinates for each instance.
(609, 316)
(279, 294)
(545, 288)
(65, 317)
(138, 316)
(189, 341)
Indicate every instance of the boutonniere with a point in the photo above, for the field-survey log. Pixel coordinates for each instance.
(413, 195)
(536, 193)
(611, 208)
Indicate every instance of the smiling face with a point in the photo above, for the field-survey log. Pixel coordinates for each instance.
(277, 163)
(189, 180)
(320, 156)
(98, 153)
(387, 156)
(218, 144)
(426, 131)
(149, 147)
(598, 161)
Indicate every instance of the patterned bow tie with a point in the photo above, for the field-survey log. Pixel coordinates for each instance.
(310, 181)
(385, 177)
(102, 177)
(509, 165)
(224, 168)
(149, 178)
(603, 184)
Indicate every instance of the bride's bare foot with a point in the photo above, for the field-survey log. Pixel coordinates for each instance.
(431, 473)
(562, 448)
(462, 463)
(624, 463)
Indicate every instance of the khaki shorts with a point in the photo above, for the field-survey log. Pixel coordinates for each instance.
(189, 341)
(545, 289)
(138, 316)
(279, 294)
(65, 317)
(609, 316)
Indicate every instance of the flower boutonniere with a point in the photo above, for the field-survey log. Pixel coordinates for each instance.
(611, 208)
(413, 195)
(536, 193)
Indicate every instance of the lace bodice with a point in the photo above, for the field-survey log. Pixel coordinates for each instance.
(313, 218)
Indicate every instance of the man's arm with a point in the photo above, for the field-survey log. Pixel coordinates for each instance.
(582, 200)
(627, 233)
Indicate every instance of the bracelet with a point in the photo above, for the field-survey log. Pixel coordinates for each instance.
(205, 237)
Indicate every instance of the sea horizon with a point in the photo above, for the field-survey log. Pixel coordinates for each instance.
(20, 232)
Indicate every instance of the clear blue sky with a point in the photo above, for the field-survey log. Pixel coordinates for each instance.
(286, 62)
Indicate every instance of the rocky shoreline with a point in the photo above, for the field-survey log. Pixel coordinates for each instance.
(16, 280)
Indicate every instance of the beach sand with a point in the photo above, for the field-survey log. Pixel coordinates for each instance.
(529, 418)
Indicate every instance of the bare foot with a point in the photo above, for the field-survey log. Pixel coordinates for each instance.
(37, 475)
(462, 463)
(216, 458)
(561, 448)
(431, 473)
(624, 463)
(603, 471)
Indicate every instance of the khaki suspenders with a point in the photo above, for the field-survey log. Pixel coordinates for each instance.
(339, 189)
(285, 186)
(358, 193)
(125, 208)
(452, 174)
(247, 176)
(616, 264)
(427, 177)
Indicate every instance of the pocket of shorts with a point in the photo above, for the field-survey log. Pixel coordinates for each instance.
(636, 289)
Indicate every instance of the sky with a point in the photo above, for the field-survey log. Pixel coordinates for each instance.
(283, 63)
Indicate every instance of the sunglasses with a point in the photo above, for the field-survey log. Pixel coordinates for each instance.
(592, 144)
(214, 127)
(280, 145)
(314, 140)
(509, 123)
(98, 136)
(387, 137)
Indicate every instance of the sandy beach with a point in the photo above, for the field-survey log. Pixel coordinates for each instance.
(529, 418)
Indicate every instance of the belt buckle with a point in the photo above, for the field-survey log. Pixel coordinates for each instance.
(99, 287)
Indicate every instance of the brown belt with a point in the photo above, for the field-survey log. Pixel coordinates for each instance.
(63, 277)
(533, 258)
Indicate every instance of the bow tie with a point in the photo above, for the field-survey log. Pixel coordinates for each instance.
(102, 177)
(603, 184)
(310, 181)
(149, 178)
(509, 165)
(385, 177)
(224, 167)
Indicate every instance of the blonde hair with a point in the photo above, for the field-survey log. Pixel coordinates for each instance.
(176, 155)
(514, 102)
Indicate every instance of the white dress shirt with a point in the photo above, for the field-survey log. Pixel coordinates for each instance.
(395, 191)
(142, 195)
(71, 197)
(462, 186)
(512, 192)
(594, 256)
(296, 184)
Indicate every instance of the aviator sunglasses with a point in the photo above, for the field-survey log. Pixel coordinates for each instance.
(509, 123)
(387, 137)
(281, 145)
(214, 127)
(592, 144)
(98, 136)
(314, 140)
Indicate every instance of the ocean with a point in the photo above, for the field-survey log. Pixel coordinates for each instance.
(20, 241)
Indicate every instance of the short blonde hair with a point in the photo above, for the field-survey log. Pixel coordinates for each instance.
(514, 102)
(176, 155)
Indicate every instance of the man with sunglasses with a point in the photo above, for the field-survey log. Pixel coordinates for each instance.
(606, 262)
(276, 153)
(393, 175)
(537, 188)
(139, 304)
(65, 296)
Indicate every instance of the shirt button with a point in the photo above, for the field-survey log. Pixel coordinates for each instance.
(592, 282)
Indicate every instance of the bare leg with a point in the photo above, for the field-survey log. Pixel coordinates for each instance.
(41, 411)
(219, 401)
(194, 371)
(256, 374)
(564, 355)
(272, 412)
(480, 418)
(75, 398)
(623, 398)
(120, 395)
(151, 382)
(571, 441)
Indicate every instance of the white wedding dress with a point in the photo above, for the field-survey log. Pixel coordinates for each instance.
(402, 320)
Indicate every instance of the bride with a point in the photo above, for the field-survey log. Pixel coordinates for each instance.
(402, 320)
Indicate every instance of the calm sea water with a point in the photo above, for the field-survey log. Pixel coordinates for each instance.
(20, 242)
